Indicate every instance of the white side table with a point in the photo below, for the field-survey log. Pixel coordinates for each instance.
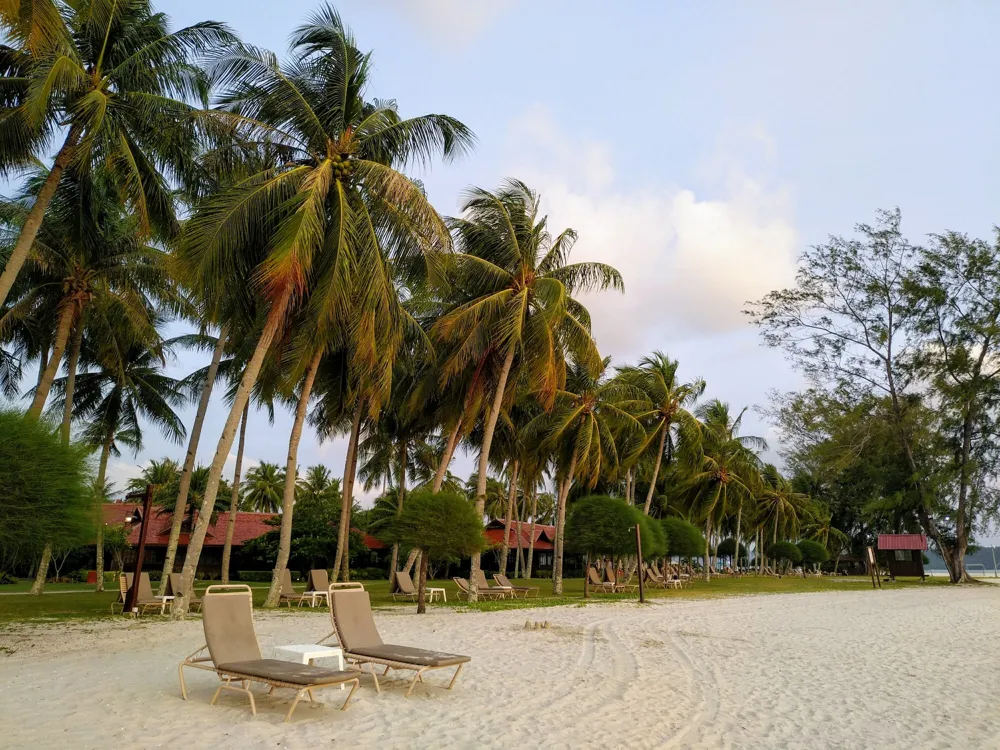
(434, 591)
(321, 595)
(306, 653)
(163, 602)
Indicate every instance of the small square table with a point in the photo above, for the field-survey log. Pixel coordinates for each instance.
(308, 652)
(434, 591)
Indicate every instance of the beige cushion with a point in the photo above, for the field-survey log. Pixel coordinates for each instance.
(352, 613)
(287, 671)
(416, 656)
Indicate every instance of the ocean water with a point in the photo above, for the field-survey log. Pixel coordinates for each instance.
(974, 571)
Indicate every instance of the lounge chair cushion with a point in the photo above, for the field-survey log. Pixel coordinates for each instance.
(287, 671)
(407, 655)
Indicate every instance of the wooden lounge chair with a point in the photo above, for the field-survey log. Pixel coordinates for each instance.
(234, 654)
(524, 591)
(354, 628)
(488, 593)
(619, 585)
(594, 579)
(288, 592)
(484, 585)
(144, 596)
(659, 581)
(175, 587)
(404, 587)
(317, 586)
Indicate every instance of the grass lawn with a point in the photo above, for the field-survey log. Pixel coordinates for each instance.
(80, 600)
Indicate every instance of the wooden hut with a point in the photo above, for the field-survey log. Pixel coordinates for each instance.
(903, 553)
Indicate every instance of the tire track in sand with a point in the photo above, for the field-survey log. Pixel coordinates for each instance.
(708, 686)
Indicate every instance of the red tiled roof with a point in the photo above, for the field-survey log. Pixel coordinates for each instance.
(902, 541)
(544, 535)
(248, 526)
(371, 542)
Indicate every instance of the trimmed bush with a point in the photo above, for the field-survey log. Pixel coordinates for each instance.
(813, 553)
(784, 551)
(6, 578)
(684, 539)
(727, 548)
(654, 538)
(368, 574)
(601, 525)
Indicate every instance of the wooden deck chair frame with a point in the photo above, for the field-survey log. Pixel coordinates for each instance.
(201, 659)
(464, 590)
(411, 595)
(371, 661)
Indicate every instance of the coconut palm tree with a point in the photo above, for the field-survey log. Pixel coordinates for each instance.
(724, 470)
(513, 310)
(663, 405)
(263, 488)
(128, 388)
(586, 427)
(115, 85)
(324, 229)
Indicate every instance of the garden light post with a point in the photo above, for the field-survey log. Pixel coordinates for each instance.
(638, 552)
(147, 499)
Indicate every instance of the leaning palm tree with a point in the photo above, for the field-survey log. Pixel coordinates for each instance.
(263, 488)
(724, 469)
(116, 85)
(513, 310)
(324, 229)
(663, 404)
(128, 388)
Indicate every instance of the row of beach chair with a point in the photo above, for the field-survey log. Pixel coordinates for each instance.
(232, 651)
(504, 589)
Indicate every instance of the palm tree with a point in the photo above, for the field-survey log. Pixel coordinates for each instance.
(263, 488)
(586, 426)
(664, 404)
(128, 388)
(723, 467)
(318, 485)
(114, 82)
(326, 226)
(782, 509)
(513, 309)
(234, 497)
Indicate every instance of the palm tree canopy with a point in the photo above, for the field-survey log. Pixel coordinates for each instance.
(263, 488)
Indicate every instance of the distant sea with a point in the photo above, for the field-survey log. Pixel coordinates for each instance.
(979, 564)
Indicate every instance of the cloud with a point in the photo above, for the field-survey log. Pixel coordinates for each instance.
(689, 263)
(451, 19)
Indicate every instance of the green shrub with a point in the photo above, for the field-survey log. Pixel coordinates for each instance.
(784, 551)
(6, 578)
(263, 576)
(369, 574)
(727, 548)
(654, 538)
(813, 553)
(45, 489)
(601, 525)
(79, 576)
(684, 539)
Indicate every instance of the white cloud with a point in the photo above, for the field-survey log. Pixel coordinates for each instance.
(689, 263)
(451, 20)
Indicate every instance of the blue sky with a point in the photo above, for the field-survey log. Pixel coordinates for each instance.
(696, 146)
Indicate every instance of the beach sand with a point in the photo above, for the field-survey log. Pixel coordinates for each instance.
(894, 669)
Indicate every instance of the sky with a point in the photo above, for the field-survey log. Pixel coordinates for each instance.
(697, 147)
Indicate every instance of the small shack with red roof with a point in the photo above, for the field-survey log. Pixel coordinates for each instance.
(545, 537)
(903, 553)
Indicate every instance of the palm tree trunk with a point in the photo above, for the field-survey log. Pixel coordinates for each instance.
(628, 486)
(422, 585)
(519, 557)
(291, 475)
(557, 562)
(33, 222)
(739, 518)
(344, 532)
(234, 500)
(71, 365)
(177, 520)
(43, 570)
(275, 319)
(656, 470)
(708, 545)
(511, 499)
(484, 462)
(449, 450)
(410, 559)
(66, 314)
(102, 471)
(531, 535)
(394, 559)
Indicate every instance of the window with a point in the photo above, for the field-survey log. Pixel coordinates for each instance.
(903, 555)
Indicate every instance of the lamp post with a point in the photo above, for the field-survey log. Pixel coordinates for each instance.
(638, 552)
(147, 499)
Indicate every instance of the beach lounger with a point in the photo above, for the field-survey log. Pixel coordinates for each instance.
(594, 579)
(175, 587)
(488, 593)
(317, 587)
(658, 580)
(144, 596)
(524, 591)
(404, 587)
(484, 585)
(288, 592)
(234, 654)
(616, 581)
(354, 628)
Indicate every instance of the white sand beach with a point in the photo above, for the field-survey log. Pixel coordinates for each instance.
(903, 669)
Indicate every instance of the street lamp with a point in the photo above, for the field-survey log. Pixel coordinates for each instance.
(137, 517)
(638, 554)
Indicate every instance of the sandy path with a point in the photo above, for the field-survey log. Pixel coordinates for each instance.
(831, 670)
